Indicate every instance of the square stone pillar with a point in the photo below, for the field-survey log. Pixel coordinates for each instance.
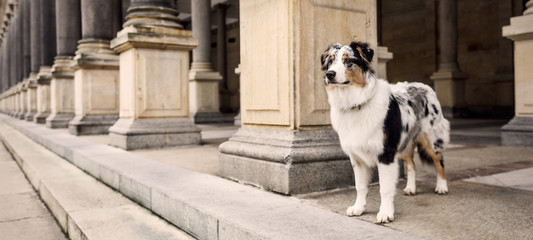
(23, 99)
(16, 95)
(43, 95)
(384, 56)
(519, 131)
(31, 97)
(204, 96)
(61, 93)
(96, 85)
(154, 100)
(286, 143)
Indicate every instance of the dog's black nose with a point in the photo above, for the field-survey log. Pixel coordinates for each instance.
(330, 75)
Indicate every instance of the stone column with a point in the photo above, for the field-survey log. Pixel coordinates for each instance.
(221, 44)
(68, 28)
(96, 77)
(154, 65)
(35, 50)
(204, 81)
(449, 80)
(20, 58)
(383, 56)
(519, 131)
(48, 52)
(26, 54)
(286, 143)
(237, 118)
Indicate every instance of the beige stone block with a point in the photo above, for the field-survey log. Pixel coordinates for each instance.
(150, 83)
(43, 98)
(96, 91)
(449, 87)
(281, 80)
(61, 91)
(203, 88)
(521, 32)
(524, 77)
(383, 56)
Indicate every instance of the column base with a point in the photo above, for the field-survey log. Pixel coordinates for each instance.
(237, 120)
(20, 115)
(59, 120)
(29, 116)
(91, 125)
(518, 132)
(286, 162)
(131, 134)
(40, 118)
(208, 117)
(450, 89)
(455, 112)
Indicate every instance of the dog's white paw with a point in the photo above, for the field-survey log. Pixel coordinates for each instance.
(384, 217)
(441, 190)
(408, 191)
(355, 211)
(442, 187)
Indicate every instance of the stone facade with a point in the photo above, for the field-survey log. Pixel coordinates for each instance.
(124, 68)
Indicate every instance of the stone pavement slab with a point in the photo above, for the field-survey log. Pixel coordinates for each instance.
(84, 207)
(22, 214)
(469, 211)
(519, 179)
(206, 206)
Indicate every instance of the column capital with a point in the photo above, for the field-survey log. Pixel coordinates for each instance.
(62, 67)
(154, 16)
(95, 53)
(520, 27)
(45, 75)
(153, 37)
(529, 8)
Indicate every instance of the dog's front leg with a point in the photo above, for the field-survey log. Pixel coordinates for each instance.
(362, 178)
(388, 177)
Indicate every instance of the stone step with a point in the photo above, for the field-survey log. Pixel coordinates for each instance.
(206, 206)
(84, 207)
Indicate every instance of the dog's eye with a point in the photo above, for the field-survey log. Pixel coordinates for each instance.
(349, 64)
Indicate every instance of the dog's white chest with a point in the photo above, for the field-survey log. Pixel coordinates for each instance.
(359, 134)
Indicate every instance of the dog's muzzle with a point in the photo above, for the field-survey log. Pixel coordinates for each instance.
(330, 77)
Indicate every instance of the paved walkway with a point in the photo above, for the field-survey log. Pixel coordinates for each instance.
(22, 214)
(491, 186)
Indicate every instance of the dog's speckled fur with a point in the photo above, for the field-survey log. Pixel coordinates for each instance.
(380, 123)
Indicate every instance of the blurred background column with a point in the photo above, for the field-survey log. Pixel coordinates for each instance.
(68, 27)
(48, 52)
(96, 66)
(519, 131)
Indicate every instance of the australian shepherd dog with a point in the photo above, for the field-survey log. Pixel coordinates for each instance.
(380, 123)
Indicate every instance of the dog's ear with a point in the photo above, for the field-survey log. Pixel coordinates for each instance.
(323, 56)
(363, 49)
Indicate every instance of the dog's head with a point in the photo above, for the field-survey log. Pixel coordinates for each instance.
(347, 65)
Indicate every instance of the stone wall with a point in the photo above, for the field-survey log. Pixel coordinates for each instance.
(409, 30)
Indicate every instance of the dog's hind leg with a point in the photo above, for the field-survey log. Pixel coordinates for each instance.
(362, 174)
(427, 154)
(388, 177)
(407, 157)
